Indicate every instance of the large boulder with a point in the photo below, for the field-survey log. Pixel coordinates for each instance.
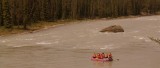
(113, 28)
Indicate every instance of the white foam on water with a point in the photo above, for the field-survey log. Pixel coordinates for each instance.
(43, 43)
(147, 40)
(43, 35)
(28, 39)
(74, 47)
(106, 33)
(138, 18)
(18, 46)
(153, 19)
(135, 31)
(141, 38)
(138, 37)
(107, 47)
(135, 36)
(17, 39)
(102, 48)
(3, 41)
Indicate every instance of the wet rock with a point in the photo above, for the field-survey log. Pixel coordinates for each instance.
(113, 28)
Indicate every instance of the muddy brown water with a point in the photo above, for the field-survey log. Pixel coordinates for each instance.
(71, 46)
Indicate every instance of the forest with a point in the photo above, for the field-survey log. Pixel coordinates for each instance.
(26, 12)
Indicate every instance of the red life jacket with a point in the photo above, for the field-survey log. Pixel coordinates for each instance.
(110, 55)
(103, 55)
(99, 56)
(106, 56)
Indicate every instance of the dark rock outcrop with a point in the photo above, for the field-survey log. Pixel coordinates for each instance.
(113, 28)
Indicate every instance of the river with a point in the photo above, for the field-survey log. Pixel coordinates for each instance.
(72, 45)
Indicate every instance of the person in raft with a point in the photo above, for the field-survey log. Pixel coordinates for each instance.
(102, 56)
(110, 56)
(94, 55)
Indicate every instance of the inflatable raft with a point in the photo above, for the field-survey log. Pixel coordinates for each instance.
(102, 60)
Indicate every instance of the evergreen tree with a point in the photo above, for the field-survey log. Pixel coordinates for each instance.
(47, 9)
(7, 15)
(1, 12)
(26, 12)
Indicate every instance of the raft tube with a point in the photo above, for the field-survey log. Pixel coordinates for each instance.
(102, 60)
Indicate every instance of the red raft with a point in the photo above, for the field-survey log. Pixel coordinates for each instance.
(102, 60)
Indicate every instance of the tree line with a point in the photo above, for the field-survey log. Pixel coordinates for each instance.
(25, 12)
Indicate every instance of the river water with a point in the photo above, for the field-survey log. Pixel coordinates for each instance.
(71, 46)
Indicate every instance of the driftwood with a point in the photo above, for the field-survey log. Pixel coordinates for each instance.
(155, 40)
